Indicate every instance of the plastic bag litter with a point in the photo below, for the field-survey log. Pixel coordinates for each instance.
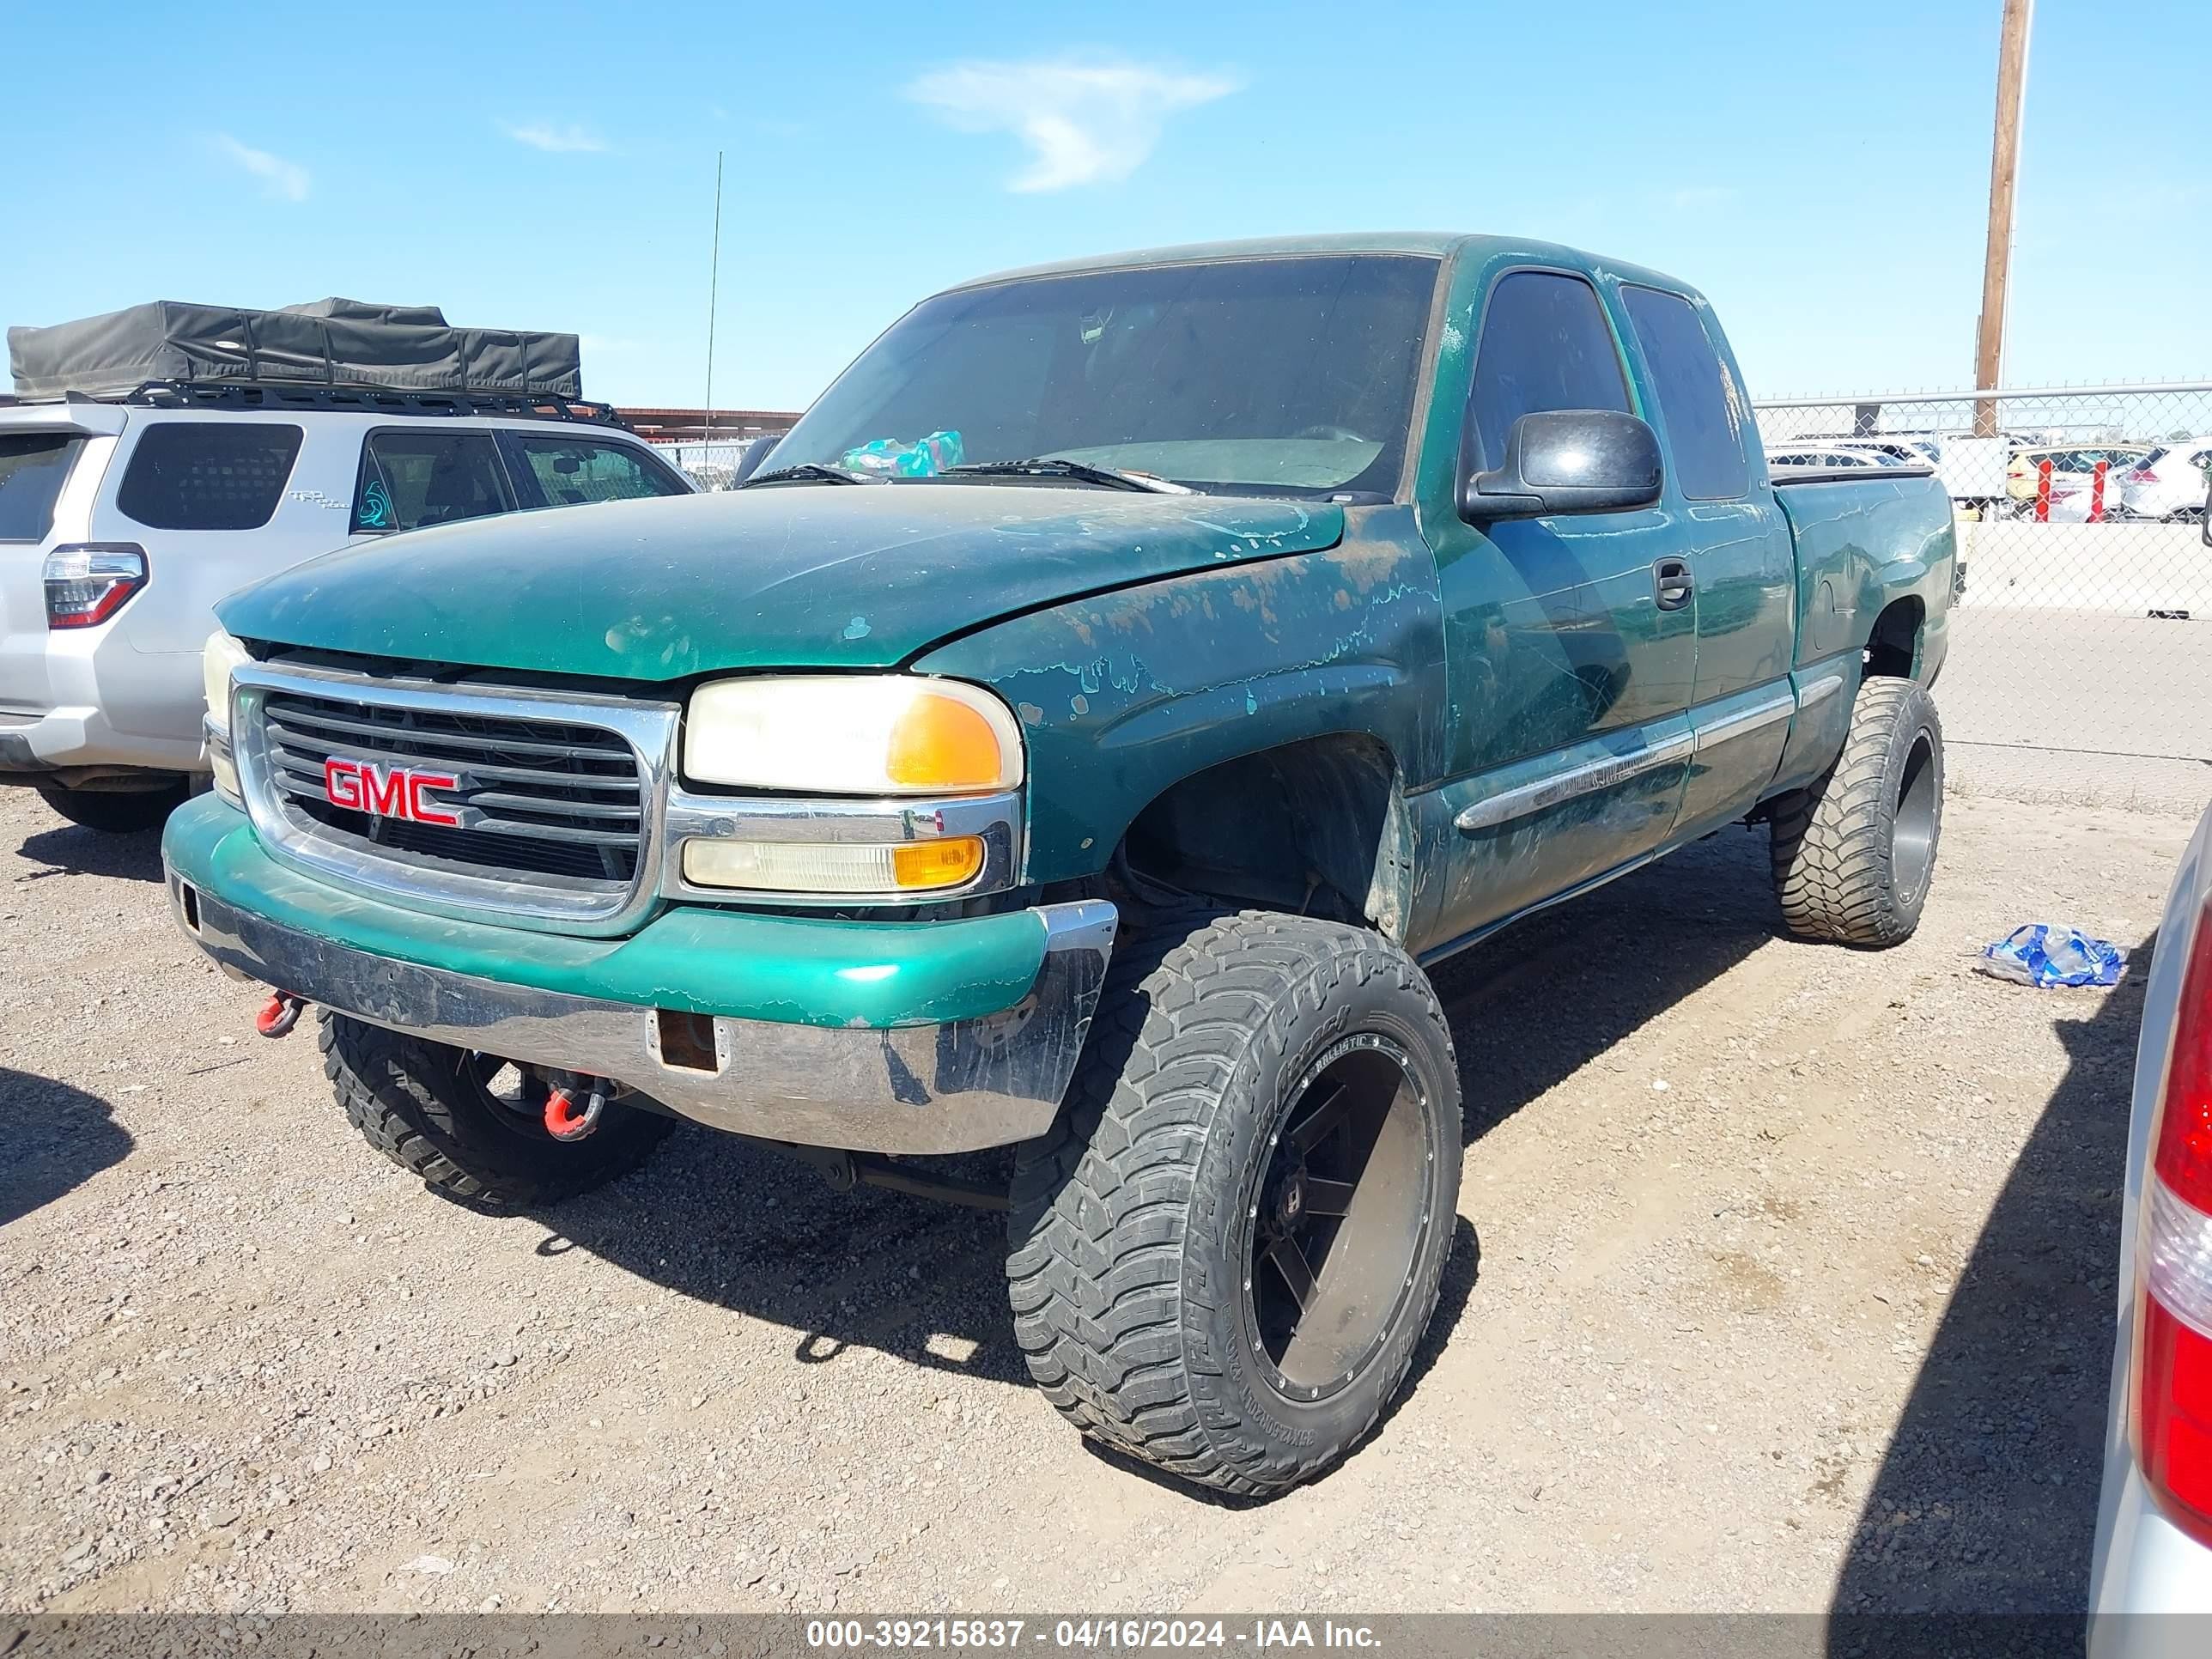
(2045, 953)
(925, 457)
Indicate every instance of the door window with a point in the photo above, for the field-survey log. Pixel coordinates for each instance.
(568, 471)
(411, 478)
(1698, 398)
(1545, 345)
(208, 475)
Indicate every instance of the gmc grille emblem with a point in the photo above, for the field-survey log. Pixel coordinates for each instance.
(393, 791)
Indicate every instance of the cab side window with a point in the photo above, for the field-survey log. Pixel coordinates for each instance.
(1545, 345)
(410, 479)
(1698, 398)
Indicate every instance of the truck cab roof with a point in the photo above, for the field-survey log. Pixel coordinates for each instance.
(1437, 244)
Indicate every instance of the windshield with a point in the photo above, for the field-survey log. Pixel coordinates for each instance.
(1275, 376)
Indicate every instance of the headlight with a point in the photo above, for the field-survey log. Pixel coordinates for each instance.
(220, 655)
(885, 734)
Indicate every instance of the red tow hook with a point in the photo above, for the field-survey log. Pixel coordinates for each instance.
(566, 1121)
(281, 1014)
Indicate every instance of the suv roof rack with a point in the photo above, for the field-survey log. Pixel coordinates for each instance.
(367, 400)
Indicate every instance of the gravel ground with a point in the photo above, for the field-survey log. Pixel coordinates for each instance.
(1783, 1281)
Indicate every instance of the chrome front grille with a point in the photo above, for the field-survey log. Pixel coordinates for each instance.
(555, 802)
(535, 798)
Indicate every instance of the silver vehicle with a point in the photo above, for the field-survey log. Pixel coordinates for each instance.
(2170, 482)
(2154, 1547)
(123, 522)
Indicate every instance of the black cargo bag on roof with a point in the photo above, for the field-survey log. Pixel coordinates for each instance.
(328, 343)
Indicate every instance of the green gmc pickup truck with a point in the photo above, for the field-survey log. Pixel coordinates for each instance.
(1116, 688)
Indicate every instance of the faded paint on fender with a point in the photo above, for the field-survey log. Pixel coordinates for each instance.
(1126, 694)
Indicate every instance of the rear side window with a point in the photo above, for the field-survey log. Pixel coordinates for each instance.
(410, 479)
(1545, 345)
(1698, 398)
(569, 472)
(208, 475)
(33, 467)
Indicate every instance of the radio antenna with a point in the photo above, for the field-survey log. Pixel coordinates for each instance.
(713, 283)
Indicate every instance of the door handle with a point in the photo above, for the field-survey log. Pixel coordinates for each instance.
(1670, 578)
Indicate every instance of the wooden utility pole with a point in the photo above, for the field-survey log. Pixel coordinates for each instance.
(2004, 170)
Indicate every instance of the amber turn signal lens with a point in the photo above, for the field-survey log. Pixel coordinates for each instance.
(920, 864)
(939, 744)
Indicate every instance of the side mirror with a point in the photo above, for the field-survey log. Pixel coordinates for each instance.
(1568, 460)
(751, 457)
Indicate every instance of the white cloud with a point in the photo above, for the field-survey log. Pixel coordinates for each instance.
(288, 181)
(561, 141)
(1084, 121)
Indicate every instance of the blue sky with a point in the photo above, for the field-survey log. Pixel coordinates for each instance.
(1822, 173)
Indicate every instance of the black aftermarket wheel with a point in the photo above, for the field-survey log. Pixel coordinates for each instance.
(1226, 1253)
(1338, 1216)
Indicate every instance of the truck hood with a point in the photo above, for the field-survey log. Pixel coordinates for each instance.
(785, 576)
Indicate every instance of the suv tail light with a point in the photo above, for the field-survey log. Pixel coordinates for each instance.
(88, 582)
(2173, 1313)
(2142, 475)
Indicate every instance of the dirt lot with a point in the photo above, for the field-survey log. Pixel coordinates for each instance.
(1783, 1281)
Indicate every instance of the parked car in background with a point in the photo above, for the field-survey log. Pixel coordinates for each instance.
(2072, 466)
(2153, 1554)
(2170, 482)
(1895, 450)
(1828, 455)
(122, 522)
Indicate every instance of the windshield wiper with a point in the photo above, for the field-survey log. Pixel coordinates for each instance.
(811, 471)
(1050, 466)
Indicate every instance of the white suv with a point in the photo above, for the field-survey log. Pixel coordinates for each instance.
(122, 523)
(2170, 482)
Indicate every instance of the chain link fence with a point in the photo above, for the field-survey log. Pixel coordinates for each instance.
(712, 464)
(2081, 660)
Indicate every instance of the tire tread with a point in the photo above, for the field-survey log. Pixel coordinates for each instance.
(1102, 1286)
(1831, 841)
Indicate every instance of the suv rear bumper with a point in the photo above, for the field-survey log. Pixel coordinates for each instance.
(109, 710)
(910, 1037)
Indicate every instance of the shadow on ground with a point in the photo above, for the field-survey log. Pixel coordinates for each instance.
(738, 1226)
(69, 850)
(1550, 995)
(58, 1137)
(1986, 1500)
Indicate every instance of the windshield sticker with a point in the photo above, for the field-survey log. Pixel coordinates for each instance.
(375, 506)
(925, 457)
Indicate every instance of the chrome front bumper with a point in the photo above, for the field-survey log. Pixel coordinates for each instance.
(914, 1089)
